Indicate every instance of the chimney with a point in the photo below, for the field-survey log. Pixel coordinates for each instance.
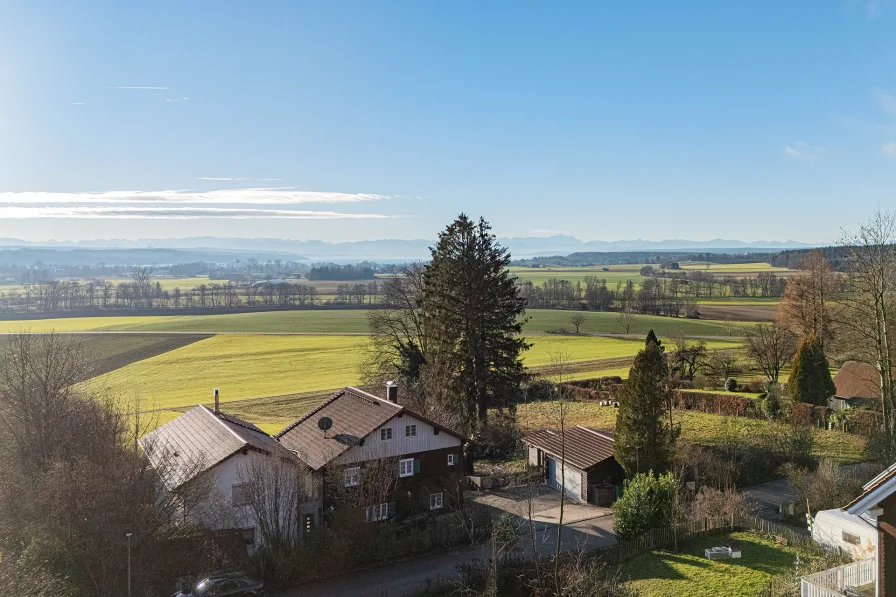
(217, 406)
(391, 391)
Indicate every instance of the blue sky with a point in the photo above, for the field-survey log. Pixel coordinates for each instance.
(373, 119)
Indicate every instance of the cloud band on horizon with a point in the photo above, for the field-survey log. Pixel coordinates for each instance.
(175, 213)
(251, 196)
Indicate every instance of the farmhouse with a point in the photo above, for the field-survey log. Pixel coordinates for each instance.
(355, 432)
(203, 458)
(580, 462)
(857, 384)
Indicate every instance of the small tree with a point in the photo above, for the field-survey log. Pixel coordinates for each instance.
(647, 503)
(643, 442)
(577, 319)
(626, 319)
(771, 346)
(810, 378)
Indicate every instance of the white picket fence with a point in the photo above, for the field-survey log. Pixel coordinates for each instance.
(835, 581)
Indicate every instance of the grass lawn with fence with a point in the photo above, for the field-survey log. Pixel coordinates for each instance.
(687, 573)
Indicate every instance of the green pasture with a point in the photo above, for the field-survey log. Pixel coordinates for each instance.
(615, 274)
(700, 428)
(354, 321)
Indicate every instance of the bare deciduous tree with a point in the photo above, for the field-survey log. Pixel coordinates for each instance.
(771, 346)
(869, 303)
(626, 319)
(807, 303)
(577, 319)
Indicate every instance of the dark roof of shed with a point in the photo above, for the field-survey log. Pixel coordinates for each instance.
(857, 380)
(199, 440)
(585, 447)
(355, 415)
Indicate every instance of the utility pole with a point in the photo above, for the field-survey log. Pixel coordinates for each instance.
(128, 535)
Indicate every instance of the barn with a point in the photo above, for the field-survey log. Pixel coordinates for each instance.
(579, 462)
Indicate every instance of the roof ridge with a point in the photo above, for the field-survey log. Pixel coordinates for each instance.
(221, 422)
(364, 395)
(307, 415)
(244, 424)
(596, 432)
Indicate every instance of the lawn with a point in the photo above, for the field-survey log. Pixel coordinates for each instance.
(688, 573)
(700, 428)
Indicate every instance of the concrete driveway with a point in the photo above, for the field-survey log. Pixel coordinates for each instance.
(545, 504)
(768, 497)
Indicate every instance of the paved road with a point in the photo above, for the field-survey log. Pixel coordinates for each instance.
(769, 496)
(403, 578)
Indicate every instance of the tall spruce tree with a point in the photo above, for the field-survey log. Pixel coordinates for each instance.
(810, 377)
(644, 441)
(473, 315)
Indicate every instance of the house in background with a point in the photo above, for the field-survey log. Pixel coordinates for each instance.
(202, 457)
(580, 462)
(856, 384)
(356, 433)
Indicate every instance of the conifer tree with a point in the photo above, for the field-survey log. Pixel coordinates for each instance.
(810, 377)
(473, 317)
(643, 440)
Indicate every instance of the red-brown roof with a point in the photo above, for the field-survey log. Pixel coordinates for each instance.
(355, 415)
(857, 380)
(584, 447)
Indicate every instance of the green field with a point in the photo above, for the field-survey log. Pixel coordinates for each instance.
(241, 366)
(700, 428)
(616, 273)
(734, 269)
(354, 321)
(687, 573)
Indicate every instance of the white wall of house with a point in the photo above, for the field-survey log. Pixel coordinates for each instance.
(375, 448)
(853, 535)
(217, 510)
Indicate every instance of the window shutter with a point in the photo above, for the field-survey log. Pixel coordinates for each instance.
(416, 466)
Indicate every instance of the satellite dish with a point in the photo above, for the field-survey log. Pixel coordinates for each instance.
(324, 423)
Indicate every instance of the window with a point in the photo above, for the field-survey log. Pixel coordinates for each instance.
(385, 434)
(377, 512)
(850, 538)
(406, 467)
(435, 501)
(410, 430)
(452, 460)
(309, 523)
(352, 475)
(249, 536)
(241, 495)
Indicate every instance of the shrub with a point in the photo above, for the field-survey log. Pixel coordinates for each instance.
(540, 391)
(731, 384)
(828, 486)
(714, 503)
(648, 502)
(801, 413)
(500, 439)
(794, 443)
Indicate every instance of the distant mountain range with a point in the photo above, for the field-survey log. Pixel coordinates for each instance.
(399, 250)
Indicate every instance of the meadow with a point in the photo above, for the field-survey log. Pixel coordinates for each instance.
(700, 428)
(354, 321)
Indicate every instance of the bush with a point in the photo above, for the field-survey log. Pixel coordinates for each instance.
(731, 384)
(500, 439)
(794, 443)
(648, 502)
(540, 391)
(713, 503)
(828, 486)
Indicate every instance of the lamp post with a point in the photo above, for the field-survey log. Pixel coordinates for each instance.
(128, 535)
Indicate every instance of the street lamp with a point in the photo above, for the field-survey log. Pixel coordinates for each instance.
(128, 535)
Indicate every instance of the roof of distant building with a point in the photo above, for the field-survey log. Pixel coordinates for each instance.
(857, 380)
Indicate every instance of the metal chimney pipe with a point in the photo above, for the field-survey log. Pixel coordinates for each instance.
(391, 391)
(217, 407)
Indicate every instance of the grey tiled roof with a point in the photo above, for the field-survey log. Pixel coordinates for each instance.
(199, 439)
(584, 446)
(355, 414)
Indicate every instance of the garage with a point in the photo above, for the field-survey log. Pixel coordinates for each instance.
(591, 472)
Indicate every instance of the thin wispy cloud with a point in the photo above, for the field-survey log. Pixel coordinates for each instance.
(177, 99)
(253, 196)
(224, 178)
(175, 213)
(887, 101)
(805, 151)
(76, 103)
(142, 87)
(889, 149)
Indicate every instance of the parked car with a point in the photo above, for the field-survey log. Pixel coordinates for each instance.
(226, 585)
